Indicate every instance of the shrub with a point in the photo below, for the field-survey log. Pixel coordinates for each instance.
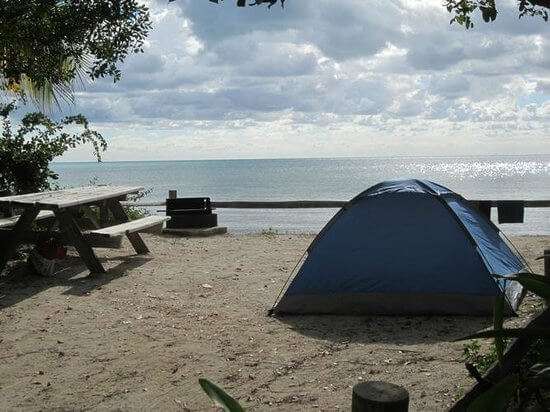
(27, 150)
(481, 360)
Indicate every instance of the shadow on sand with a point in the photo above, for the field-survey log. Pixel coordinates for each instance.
(22, 283)
(400, 330)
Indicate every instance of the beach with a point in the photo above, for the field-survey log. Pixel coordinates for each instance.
(141, 335)
(200, 193)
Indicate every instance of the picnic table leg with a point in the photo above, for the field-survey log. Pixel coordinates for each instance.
(71, 229)
(103, 214)
(121, 217)
(23, 223)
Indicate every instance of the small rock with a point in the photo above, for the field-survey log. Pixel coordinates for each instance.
(206, 286)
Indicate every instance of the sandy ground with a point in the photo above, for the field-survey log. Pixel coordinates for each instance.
(140, 336)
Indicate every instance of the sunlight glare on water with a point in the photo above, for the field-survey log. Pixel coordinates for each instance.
(480, 177)
(496, 170)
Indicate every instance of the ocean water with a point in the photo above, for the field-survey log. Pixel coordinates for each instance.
(484, 177)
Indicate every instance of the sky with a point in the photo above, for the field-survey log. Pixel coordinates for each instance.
(325, 78)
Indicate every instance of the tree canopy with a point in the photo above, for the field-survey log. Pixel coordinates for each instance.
(461, 9)
(464, 9)
(46, 44)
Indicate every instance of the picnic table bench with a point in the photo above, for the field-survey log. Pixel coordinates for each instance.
(12, 220)
(60, 204)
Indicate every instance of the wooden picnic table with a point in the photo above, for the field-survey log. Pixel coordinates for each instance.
(61, 203)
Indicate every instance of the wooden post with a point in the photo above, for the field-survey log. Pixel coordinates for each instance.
(172, 194)
(546, 257)
(378, 396)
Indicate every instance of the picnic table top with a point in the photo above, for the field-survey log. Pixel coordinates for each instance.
(61, 199)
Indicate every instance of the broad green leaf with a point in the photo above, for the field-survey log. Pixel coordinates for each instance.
(497, 326)
(497, 397)
(516, 276)
(537, 284)
(539, 376)
(509, 333)
(543, 352)
(220, 397)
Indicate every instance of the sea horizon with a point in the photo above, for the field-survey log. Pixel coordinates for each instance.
(305, 158)
(496, 177)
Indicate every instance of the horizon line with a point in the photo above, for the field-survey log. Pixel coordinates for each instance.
(302, 158)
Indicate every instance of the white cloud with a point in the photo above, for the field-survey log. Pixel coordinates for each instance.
(327, 78)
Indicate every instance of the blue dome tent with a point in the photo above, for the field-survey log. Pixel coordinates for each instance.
(405, 247)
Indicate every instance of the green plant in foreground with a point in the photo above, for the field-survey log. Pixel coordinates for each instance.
(473, 355)
(532, 381)
(220, 397)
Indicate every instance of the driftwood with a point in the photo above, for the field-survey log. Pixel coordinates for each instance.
(515, 352)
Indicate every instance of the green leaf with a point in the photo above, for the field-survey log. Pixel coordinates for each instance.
(539, 376)
(220, 397)
(509, 333)
(498, 321)
(496, 398)
(537, 284)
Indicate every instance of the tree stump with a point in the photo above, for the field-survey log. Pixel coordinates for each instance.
(378, 396)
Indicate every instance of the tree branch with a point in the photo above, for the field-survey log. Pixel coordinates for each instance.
(541, 3)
